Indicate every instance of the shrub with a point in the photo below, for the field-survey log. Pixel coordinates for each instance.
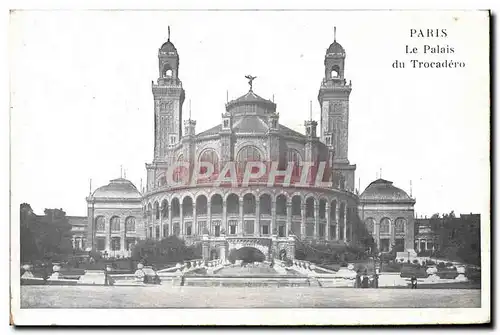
(449, 264)
(415, 261)
(430, 262)
(408, 271)
(441, 265)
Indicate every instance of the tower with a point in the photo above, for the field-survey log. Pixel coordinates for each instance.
(333, 98)
(168, 99)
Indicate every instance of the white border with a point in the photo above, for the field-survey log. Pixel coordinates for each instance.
(240, 316)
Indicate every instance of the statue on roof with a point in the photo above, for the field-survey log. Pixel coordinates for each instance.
(250, 80)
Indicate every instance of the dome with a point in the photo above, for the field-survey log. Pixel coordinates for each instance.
(168, 47)
(251, 99)
(118, 188)
(335, 48)
(382, 189)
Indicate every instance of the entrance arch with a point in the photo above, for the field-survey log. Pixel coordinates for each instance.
(247, 255)
(261, 244)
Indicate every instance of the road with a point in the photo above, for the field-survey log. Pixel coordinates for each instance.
(243, 297)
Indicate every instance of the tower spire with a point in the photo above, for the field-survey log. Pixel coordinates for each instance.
(90, 186)
(310, 110)
(189, 109)
(168, 33)
(334, 33)
(411, 190)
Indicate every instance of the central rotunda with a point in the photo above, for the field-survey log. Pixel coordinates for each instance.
(268, 216)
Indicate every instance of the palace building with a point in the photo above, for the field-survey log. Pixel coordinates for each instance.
(268, 216)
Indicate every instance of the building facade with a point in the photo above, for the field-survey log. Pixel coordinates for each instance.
(316, 203)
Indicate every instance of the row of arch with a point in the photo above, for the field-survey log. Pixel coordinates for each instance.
(248, 153)
(248, 202)
(115, 224)
(385, 224)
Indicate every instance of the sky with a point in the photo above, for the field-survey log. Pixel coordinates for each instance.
(82, 106)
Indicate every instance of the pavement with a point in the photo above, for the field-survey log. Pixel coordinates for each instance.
(164, 296)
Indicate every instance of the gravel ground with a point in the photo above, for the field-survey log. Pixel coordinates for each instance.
(242, 297)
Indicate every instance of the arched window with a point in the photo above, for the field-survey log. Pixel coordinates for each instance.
(247, 154)
(187, 207)
(157, 211)
(248, 204)
(399, 225)
(322, 209)
(179, 170)
(370, 224)
(385, 226)
(130, 224)
(216, 204)
(280, 204)
(115, 224)
(210, 156)
(167, 70)
(296, 205)
(309, 207)
(295, 158)
(201, 205)
(164, 209)
(265, 205)
(335, 71)
(333, 211)
(176, 208)
(100, 224)
(233, 204)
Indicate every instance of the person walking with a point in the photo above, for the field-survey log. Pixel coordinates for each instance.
(413, 282)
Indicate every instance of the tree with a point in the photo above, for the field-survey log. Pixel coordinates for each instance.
(44, 236)
(169, 249)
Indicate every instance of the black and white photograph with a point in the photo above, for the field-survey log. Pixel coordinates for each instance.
(273, 167)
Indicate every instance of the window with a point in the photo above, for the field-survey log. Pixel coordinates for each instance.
(310, 229)
(217, 231)
(216, 225)
(295, 158)
(130, 242)
(226, 123)
(177, 229)
(209, 156)
(115, 224)
(157, 232)
(115, 243)
(100, 224)
(385, 226)
(165, 230)
(249, 227)
(247, 154)
(370, 224)
(101, 243)
(333, 232)
(322, 230)
(400, 225)
(232, 227)
(264, 224)
(130, 224)
(189, 228)
(281, 230)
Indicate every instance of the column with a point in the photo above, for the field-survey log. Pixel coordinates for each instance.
(426, 245)
(194, 224)
(327, 217)
(108, 237)
(123, 228)
(256, 228)
(181, 219)
(224, 216)
(161, 223)
(337, 221)
(303, 221)
(170, 229)
(209, 215)
(376, 228)
(316, 219)
(393, 233)
(288, 217)
(240, 226)
(273, 216)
